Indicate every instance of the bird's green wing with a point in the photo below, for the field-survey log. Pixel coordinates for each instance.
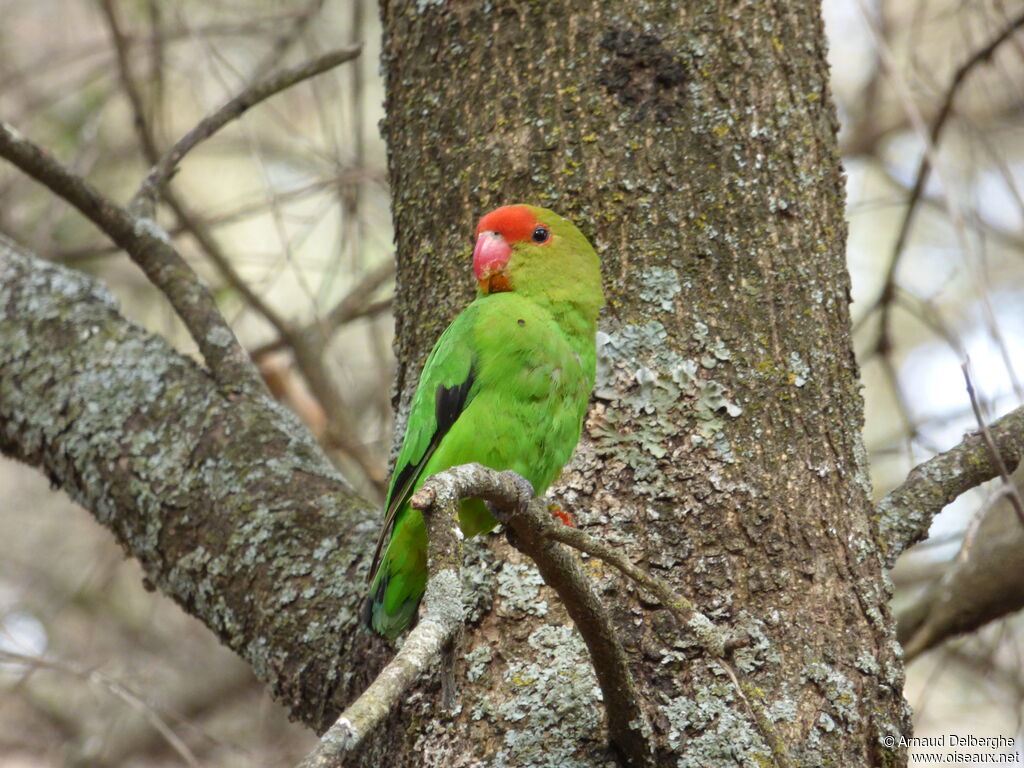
(445, 389)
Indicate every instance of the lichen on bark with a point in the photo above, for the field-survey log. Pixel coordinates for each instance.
(226, 501)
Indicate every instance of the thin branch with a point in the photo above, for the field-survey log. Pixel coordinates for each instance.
(372, 309)
(441, 619)
(563, 572)
(718, 643)
(297, 23)
(134, 700)
(905, 514)
(307, 354)
(355, 301)
(147, 139)
(355, 304)
(711, 638)
(237, 106)
(149, 247)
(1010, 489)
(982, 55)
(239, 213)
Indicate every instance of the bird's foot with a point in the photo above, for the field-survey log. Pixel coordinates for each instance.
(524, 490)
(560, 514)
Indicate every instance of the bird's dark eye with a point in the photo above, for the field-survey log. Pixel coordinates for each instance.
(541, 235)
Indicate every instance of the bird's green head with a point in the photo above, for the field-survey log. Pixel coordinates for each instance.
(537, 253)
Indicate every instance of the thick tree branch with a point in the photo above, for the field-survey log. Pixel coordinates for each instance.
(905, 514)
(226, 501)
(976, 587)
(151, 249)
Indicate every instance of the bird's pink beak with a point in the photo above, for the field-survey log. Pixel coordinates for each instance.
(490, 256)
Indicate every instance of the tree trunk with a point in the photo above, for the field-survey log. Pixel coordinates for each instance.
(696, 147)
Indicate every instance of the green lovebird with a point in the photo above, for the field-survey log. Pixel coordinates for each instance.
(506, 385)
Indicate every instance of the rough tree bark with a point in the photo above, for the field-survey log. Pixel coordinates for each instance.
(226, 501)
(695, 145)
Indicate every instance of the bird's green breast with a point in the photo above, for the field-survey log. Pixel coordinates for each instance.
(529, 375)
(532, 382)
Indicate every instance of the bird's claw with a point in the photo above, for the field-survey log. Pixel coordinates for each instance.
(524, 490)
(561, 515)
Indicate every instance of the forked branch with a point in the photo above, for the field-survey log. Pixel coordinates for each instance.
(442, 614)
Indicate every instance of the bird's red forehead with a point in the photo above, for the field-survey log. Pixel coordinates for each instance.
(513, 222)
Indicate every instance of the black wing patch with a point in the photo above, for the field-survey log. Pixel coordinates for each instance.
(449, 404)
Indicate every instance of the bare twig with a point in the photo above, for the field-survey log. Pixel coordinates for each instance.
(440, 620)
(905, 514)
(1009, 488)
(355, 301)
(355, 304)
(134, 700)
(149, 247)
(254, 94)
(934, 135)
(288, 31)
(239, 213)
(128, 83)
(371, 309)
(712, 639)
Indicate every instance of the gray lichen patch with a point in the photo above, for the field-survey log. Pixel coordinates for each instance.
(708, 729)
(477, 661)
(837, 689)
(800, 371)
(479, 578)
(553, 715)
(659, 286)
(659, 402)
(519, 588)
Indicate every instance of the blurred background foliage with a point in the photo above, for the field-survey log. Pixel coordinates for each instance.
(292, 201)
